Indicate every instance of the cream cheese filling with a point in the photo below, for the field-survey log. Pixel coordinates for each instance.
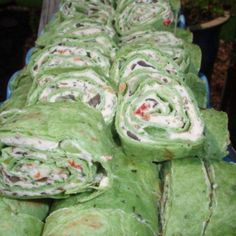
(20, 140)
(161, 116)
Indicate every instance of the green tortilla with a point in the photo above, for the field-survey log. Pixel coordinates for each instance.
(53, 150)
(22, 218)
(68, 56)
(145, 57)
(132, 195)
(86, 86)
(217, 134)
(186, 55)
(97, 10)
(199, 198)
(134, 16)
(185, 204)
(158, 118)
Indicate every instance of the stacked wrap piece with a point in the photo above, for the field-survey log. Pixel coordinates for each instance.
(199, 198)
(142, 14)
(128, 207)
(85, 85)
(56, 130)
(157, 116)
(53, 150)
(22, 218)
(73, 57)
(101, 11)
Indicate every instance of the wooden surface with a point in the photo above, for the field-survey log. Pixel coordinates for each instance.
(49, 7)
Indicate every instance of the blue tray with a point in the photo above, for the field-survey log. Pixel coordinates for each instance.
(13, 77)
(232, 155)
(207, 87)
(28, 55)
(9, 88)
(181, 21)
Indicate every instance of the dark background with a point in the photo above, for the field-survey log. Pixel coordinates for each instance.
(18, 31)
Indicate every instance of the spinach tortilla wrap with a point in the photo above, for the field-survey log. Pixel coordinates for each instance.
(105, 43)
(158, 118)
(128, 207)
(141, 57)
(217, 134)
(53, 150)
(186, 55)
(87, 86)
(143, 14)
(22, 218)
(75, 28)
(174, 36)
(92, 9)
(207, 207)
(68, 56)
(222, 219)
(198, 88)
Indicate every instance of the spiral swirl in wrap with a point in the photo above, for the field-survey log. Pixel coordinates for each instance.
(87, 86)
(69, 56)
(142, 14)
(93, 9)
(158, 118)
(128, 207)
(53, 150)
(186, 55)
(141, 57)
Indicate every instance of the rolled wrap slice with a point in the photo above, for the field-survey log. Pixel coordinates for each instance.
(94, 222)
(144, 14)
(101, 41)
(87, 86)
(158, 119)
(35, 208)
(223, 202)
(198, 88)
(217, 134)
(75, 28)
(69, 56)
(121, 4)
(160, 37)
(186, 55)
(53, 150)
(184, 212)
(96, 10)
(141, 57)
(22, 218)
(133, 195)
(203, 209)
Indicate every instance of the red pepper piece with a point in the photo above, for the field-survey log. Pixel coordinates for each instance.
(75, 165)
(167, 22)
(141, 109)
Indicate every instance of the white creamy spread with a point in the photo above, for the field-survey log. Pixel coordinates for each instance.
(85, 86)
(40, 144)
(196, 129)
(152, 107)
(104, 182)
